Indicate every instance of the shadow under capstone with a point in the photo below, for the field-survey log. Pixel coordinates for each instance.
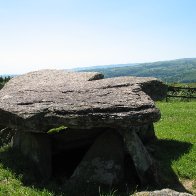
(64, 163)
(29, 177)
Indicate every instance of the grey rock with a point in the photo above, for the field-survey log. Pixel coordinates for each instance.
(39, 101)
(155, 89)
(145, 132)
(37, 147)
(142, 160)
(163, 192)
(103, 163)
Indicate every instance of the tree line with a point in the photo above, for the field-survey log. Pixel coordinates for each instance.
(3, 80)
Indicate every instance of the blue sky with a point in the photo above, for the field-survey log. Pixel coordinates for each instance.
(61, 34)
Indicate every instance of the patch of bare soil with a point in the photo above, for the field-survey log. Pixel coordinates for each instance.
(189, 185)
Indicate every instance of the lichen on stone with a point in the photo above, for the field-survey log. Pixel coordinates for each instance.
(57, 129)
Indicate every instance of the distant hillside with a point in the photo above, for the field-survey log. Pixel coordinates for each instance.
(181, 70)
(102, 67)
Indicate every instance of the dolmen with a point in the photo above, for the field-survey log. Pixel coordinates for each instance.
(82, 126)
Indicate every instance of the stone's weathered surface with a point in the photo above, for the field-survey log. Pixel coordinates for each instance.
(45, 78)
(37, 148)
(155, 89)
(104, 162)
(151, 86)
(163, 192)
(145, 132)
(41, 100)
(141, 158)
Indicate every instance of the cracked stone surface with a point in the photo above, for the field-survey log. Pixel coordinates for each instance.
(41, 100)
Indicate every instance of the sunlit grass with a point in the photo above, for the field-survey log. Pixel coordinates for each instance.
(178, 123)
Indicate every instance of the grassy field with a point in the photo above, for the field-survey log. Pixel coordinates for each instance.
(191, 85)
(177, 142)
(175, 150)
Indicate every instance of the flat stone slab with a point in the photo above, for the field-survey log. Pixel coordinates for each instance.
(163, 192)
(104, 161)
(39, 101)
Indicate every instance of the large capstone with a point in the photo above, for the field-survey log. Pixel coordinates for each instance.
(39, 101)
(103, 121)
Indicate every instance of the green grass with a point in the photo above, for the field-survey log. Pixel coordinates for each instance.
(177, 140)
(191, 85)
(11, 182)
(57, 130)
(175, 150)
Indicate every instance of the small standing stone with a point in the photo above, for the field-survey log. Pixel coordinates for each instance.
(37, 147)
(141, 158)
(104, 162)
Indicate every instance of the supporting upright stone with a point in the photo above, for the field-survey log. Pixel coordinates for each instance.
(104, 162)
(37, 147)
(145, 132)
(141, 158)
